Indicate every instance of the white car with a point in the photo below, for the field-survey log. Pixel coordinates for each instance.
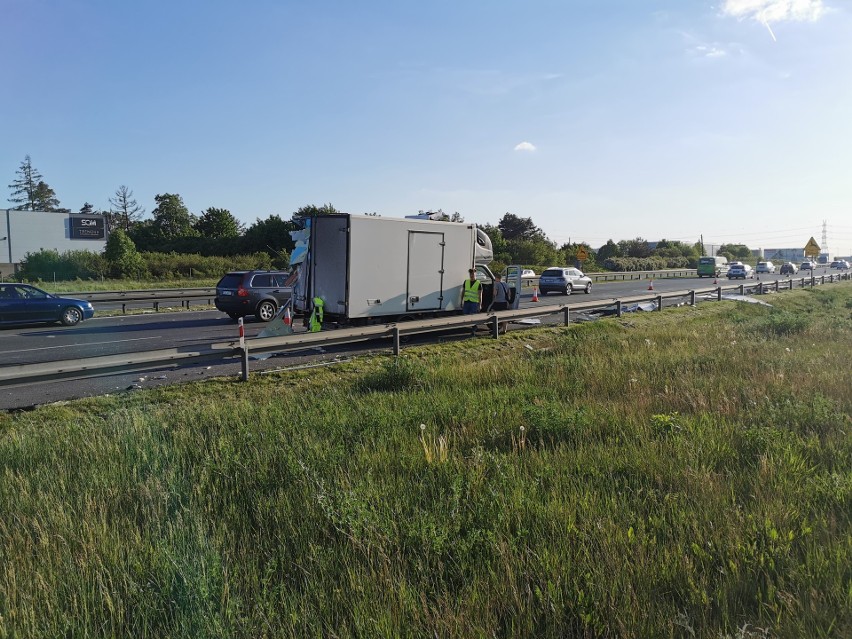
(527, 272)
(740, 271)
(765, 267)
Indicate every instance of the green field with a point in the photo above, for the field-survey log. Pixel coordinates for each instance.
(677, 474)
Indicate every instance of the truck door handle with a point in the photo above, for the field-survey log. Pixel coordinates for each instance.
(413, 299)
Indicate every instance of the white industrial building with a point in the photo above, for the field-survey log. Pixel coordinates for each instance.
(23, 232)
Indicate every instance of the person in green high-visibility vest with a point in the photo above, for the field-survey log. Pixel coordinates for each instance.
(471, 296)
(317, 315)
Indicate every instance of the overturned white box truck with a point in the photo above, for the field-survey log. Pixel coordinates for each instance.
(369, 269)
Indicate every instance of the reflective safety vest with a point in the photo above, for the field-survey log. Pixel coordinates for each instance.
(471, 291)
(317, 315)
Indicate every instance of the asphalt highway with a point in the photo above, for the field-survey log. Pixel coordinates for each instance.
(136, 333)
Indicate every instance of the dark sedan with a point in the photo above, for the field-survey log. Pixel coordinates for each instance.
(25, 304)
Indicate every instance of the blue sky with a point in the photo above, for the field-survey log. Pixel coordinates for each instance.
(597, 118)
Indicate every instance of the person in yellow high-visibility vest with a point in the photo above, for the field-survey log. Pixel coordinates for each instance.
(317, 315)
(471, 296)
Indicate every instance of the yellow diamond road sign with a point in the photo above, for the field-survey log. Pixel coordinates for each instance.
(812, 248)
(582, 254)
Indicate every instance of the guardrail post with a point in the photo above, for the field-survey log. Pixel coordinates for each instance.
(760, 288)
(156, 307)
(813, 281)
(567, 313)
(243, 351)
(245, 364)
(776, 286)
(124, 309)
(618, 308)
(742, 289)
(823, 280)
(719, 294)
(395, 331)
(495, 327)
(659, 302)
(692, 298)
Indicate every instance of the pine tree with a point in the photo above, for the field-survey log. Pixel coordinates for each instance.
(24, 188)
(124, 210)
(45, 198)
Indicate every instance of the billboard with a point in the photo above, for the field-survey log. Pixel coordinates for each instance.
(85, 227)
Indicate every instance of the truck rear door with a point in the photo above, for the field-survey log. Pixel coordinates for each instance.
(425, 271)
(330, 262)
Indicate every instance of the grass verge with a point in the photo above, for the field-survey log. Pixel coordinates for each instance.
(684, 473)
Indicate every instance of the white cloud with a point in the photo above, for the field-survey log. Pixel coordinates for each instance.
(707, 51)
(525, 146)
(766, 11)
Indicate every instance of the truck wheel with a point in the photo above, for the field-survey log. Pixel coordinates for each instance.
(265, 311)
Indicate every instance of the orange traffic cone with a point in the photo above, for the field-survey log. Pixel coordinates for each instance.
(288, 320)
(535, 294)
(651, 286)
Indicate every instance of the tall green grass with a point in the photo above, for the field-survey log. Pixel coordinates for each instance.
(676, 474)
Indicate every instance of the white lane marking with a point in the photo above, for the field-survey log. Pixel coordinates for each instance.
(50, 348)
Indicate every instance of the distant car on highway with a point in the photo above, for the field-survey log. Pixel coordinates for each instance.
(765, 267)
(25, 304)
(788, 268)
(739, 271)
(807, 265)
(565, 280)
(526, 274)
(258, 293)
(841, 265)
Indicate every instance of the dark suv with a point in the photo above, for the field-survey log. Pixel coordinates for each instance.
(258, 293)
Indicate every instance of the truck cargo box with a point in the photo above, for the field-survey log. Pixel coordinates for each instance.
(366, 267)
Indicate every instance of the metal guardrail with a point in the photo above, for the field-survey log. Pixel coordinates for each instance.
(188, 295)
(154, 296)
(606, 276)
(104, 365)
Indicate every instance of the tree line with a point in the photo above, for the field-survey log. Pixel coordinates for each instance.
(217, 233)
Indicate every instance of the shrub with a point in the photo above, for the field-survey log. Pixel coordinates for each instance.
(626, 264)
(49, 264)
(176, 265)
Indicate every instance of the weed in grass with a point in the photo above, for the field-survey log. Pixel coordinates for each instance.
(436, 449)
(398, 374)
(779, 322)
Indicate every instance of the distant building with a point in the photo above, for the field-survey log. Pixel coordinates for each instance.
(784, 254)
(23, 232)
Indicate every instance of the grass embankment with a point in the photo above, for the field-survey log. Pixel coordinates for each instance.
(684, 473)
(94, 286)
